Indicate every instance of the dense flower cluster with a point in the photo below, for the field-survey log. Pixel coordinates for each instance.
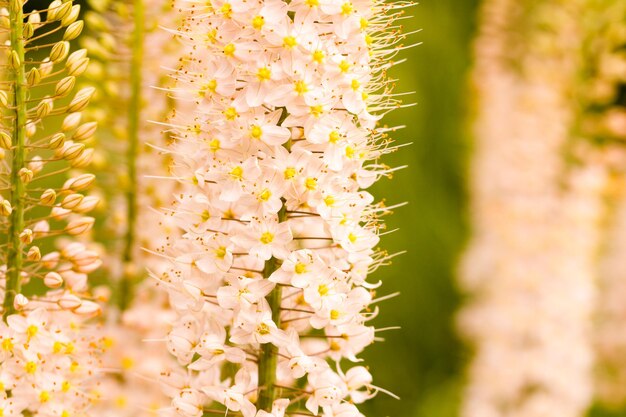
(269, 277)
(539, 187)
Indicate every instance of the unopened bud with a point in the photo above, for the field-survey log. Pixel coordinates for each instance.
(79, 226)
(5, 208)
(48, 197)
(19, 302)
(34, 254)
(59, 51)
(72, 15)
(14, 60)
(45, 68)
(64, 86)
(73, 30)
(84, 159)
(77, 67)
(33, 77)
(88, 309)
(5, 140)
(26, 237)
(85, 131)
(69, 302)
(50, 260)
(44, 107)
(72, 201)
(89, 203)
(28, 30)
(71, 121)
(79, 183)
(4, 98)
(53, 280)
(81, 99)
(53, 10)
(36, 165)
(26, 175)
(73, 151)
(56, 141)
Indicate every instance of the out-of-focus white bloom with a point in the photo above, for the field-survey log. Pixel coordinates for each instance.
(538, 203)
(274, 142)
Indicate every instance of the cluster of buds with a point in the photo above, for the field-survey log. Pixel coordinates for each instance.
(35, 205)
(269, 278)
(48, 358)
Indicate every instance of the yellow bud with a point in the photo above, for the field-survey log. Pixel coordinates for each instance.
(85, 131)
(33, 77)
(26, 236)
(56, 141)
(73, 30)
(14, 60)
(64, 86)
(79, 226)
(71, 121)
(44, 108)
(59, 51)
(84, 159)
(80, 183)
(5, 140)
(53, 10)
(28, 30)
(81, 99)
(4, 98)
(5, 208)
(73, 151)
(34, 254)
(26, 175)
(72, 201)
(48, 197)
(53, 280)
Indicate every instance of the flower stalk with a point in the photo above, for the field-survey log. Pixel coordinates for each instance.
(132, 151)
(18, 108)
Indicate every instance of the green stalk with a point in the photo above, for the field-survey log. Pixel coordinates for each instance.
(18, 190)
(269, 353)
(134, 117)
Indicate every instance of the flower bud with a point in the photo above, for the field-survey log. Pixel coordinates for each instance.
(71, 201)
(84, 159)
(48, 197)
(33, 77)
(45, 68)
(53, 280)
(26, 175)
(72, 16)
(71, 121)
(81, 99)
(59, 213)
(73, 151)
(44, 108)
(54, 8)
(36, 165)
(4, 99)
(85, 131)
(56, 141)
(59, 51)
(28, 30)
(5, 140)
(34, 254)
(50, 260)
(73, 30)
(69, 302)
(14, 60)
(88, 309)
(64, 86)
(20, 302)
(79, 226)
(5, 208)
(31, 128)
(26, 237)
(41, 229)
(79, 183)
(87, 204)
(77, 67)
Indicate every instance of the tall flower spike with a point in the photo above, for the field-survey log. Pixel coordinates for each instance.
(129, 49)
(539, 183)
(269, 277)
(48, 358)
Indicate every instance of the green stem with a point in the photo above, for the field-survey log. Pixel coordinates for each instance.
(134, 117)
(269, 352)
(18, 190)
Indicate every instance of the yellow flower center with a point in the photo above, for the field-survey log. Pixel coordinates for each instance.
(300, 87)
(316, 111)
(256, 132)
(329, 200)
(318, 56)
(290, 173)
(229, 50)
(344, 66)
(312, 3)
(289, 42)
(264, 74)
(334, 136)
(347, 8)
(352, 237)
(214, 145)
(310, 184)
(31, 331)
(237, 173)
(267, 238)
(364, 23)
(265, 195)
(258, 22)
(300, 268)
(44, 396)
(220, 252)
(7, 344)
(355, 84)
(30, 367)
(322, 289)
(334, 314)
(231, 113)
(65, 386)
(227, 10)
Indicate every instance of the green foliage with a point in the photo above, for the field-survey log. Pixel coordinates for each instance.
(422, 361)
